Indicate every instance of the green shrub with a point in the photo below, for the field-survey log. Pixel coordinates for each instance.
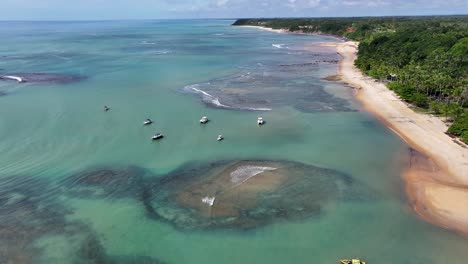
(460, 128)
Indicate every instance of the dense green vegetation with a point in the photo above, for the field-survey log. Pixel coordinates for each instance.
(423, 59)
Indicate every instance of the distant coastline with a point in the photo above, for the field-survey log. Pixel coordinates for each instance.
(437, 176)
(293, 32)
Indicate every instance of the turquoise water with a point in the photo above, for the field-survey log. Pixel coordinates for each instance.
(52, 133)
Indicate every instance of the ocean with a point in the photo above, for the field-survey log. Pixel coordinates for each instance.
(318, 182)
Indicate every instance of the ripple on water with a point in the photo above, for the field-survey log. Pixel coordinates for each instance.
(31, 210)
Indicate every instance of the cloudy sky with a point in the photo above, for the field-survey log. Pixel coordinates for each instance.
(159, 9)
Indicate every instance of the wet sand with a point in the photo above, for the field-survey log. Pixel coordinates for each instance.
(437, 186)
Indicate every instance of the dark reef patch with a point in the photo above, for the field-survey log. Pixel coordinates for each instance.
(245, 194)
(106, 183)
(92, 251)
(26, 214)
(249, 91)
(30, 210)
(44, 77)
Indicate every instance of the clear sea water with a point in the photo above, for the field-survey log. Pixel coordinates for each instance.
(52, 131)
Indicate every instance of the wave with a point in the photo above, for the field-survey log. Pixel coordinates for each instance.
(144, 42)
(42, 77)
(243, 173)
(161, 52)
(278, 46)
(12, 77)
(206, 96)
(256, 108)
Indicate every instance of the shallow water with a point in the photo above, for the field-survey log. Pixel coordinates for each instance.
(80, 185)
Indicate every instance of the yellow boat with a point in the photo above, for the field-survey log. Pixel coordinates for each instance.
(352, 261)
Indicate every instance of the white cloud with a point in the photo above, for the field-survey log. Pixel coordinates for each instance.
(221, 3)
(314, 3)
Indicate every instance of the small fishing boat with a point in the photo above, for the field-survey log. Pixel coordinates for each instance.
(220, 137)
(147, 122)
(204, 120)
(260, 121)
(157, 136)
(106, 108)
(352, 261)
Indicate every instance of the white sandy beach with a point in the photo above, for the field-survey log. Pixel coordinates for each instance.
(267, 29)
(438, 193)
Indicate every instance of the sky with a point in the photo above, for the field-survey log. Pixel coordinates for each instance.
(164, 9)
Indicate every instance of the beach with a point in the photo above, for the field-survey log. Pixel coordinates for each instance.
(437, 188)
(267, 29)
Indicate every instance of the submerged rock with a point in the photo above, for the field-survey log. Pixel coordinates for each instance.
(245, 194)
(261, 91)
(106, 183)
(41, 78)
(92, 251)
(284, 77)
(26, 214)
(31, 210)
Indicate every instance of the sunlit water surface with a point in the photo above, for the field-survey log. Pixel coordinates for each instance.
(318, 182)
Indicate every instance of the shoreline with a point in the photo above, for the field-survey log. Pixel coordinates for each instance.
(437, 176)
(436, 179)
(293, 32)
(266, 29)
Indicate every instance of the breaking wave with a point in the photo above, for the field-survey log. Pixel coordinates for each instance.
(243, 173)
(206, 96)
(213, 100)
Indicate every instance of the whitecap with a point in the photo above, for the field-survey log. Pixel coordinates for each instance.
(278, 46)
(243, 173)
(12, 77)
(206, 96)
(144, 42)
(256, 108)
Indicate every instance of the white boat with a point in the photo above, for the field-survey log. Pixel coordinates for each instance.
(157, 136)
(147, 122)
(260, 121)
(220, 137)
(204, 120)
(209, 200)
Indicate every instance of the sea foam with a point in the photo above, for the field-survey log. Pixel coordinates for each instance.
(206, 96)
(243, 173)
(195, 88)
(278, 46)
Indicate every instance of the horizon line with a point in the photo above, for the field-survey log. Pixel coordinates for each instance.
(227, 18)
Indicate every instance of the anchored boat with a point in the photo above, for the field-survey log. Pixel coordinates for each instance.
(220, 137)
(260, 121)
(352, 261)
(157, 136)
(204, 120)
(147, 122)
